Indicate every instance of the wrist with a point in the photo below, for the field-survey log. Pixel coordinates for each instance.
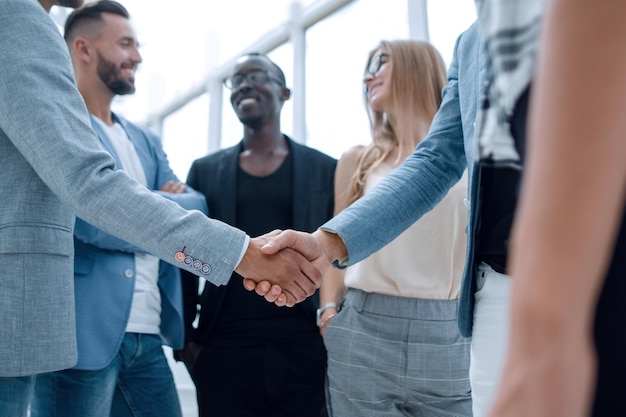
(325, 321)
(324, 311)
(332, 243)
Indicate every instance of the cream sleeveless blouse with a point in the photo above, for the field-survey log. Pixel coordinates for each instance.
(426, 260)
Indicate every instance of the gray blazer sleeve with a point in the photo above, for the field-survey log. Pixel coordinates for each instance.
(44, 118)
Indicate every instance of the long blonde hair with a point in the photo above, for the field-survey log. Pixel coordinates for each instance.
(418, 75)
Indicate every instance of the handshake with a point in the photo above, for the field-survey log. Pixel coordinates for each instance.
(287, 266)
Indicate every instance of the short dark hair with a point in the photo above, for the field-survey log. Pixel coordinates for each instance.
(92, 12)
(279, 71)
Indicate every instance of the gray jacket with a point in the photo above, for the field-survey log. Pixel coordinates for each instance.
(54, 169)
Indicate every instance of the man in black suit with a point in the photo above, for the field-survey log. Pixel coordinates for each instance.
(248, 357)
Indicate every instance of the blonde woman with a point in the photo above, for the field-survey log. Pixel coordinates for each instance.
(390, 321)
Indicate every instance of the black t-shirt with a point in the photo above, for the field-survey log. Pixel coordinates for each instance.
(498, 199)
(499, 192)
(263, 204)
(610, 332)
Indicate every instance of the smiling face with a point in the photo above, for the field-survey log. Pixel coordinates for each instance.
(258, 95)
(377, 80)
(117, 54)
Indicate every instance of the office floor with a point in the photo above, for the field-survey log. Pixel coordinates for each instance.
(186, 389)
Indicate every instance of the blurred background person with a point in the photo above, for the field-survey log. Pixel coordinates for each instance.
(394, 347)
(248, 357)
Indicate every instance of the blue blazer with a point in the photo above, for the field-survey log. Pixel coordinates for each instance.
(104, 266)
(425, 177)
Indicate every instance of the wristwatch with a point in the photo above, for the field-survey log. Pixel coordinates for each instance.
(321, 310)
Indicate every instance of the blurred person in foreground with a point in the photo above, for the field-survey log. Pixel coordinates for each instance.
(567, 338)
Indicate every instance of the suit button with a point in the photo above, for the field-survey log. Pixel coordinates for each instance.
(128, 273)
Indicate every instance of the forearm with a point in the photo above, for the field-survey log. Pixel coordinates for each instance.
(331, 292)
(333, 287)
(571, 202)
(404, 196)
(573, 189)
(332, 244)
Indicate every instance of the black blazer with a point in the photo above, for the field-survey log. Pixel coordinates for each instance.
(215, 177)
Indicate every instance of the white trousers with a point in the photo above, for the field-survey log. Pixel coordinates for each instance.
(489, 337)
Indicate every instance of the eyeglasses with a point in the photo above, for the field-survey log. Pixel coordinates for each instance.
(255, 77)
(376, 63)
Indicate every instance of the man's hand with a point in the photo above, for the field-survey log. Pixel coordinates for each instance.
(320, 248)
(287, 269)
(174, 187)
(189, 354)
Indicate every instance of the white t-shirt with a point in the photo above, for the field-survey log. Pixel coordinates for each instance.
(145, 312)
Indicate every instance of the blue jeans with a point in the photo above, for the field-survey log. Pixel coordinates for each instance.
(15, 394)
(138, 382)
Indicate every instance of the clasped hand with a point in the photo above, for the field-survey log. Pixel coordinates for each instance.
(285, 267)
